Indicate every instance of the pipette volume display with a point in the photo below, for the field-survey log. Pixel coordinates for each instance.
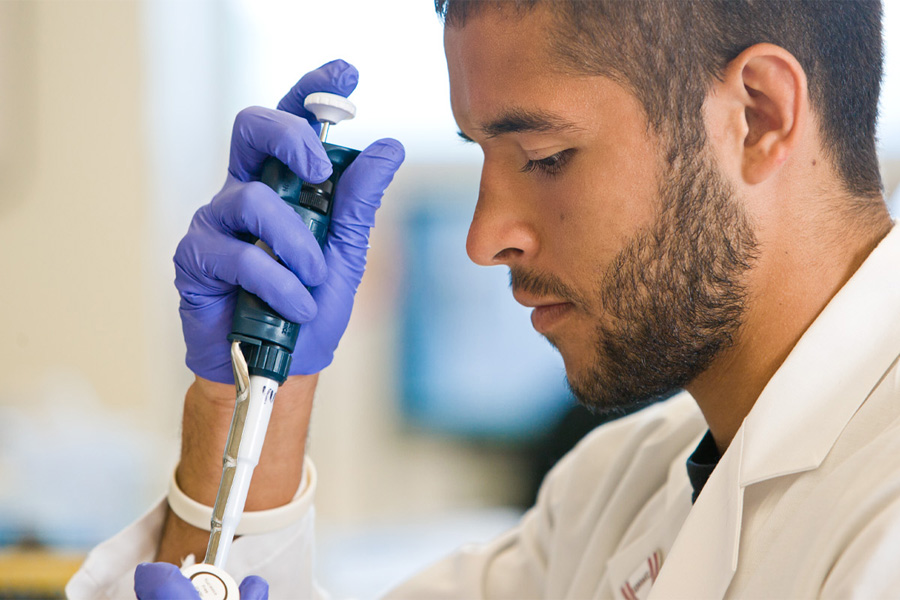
(263, 341)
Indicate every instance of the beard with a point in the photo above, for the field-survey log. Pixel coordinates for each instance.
(672, 300)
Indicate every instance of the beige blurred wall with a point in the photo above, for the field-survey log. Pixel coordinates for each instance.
(890, 177)
(73, 205)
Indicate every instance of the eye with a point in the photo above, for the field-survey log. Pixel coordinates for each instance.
(552, 165)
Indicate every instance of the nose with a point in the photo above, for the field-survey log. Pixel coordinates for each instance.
(501, 232)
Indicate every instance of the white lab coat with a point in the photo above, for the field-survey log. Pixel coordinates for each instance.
(805, 502)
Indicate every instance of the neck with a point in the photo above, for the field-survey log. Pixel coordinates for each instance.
(802, 265)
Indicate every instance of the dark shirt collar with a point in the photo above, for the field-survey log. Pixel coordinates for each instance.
(702, 463)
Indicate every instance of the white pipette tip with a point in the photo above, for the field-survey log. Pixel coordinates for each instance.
(330, 108)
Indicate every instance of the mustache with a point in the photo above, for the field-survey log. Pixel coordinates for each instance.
(542, 284)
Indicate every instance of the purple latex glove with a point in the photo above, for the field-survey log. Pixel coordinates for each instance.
(212, 261)
(163, 581)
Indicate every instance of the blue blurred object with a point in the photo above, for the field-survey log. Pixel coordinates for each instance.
(471, 363)
(63, 486)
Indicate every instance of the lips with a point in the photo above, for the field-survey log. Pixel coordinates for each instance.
(544, 318)
(547, 312)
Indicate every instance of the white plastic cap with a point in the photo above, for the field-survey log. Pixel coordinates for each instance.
(330, 108)
(212, 583)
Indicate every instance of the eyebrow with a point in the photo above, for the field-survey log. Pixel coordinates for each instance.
(518, 120)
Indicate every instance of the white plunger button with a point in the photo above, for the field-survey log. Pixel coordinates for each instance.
(330, 108)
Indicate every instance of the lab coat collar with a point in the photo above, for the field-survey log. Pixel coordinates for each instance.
(829, 373)
(795, 421)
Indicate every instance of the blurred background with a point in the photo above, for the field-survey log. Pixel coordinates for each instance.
(443, 407)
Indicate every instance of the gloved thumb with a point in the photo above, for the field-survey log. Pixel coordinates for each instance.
(254, 587)
(162, 581)
(359, 192)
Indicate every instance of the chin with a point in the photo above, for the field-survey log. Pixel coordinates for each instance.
(601, 392)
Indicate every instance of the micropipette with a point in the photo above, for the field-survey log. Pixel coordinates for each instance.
(263, 342)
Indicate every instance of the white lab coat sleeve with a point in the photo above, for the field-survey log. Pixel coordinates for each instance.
(538, 557)
(867, 568)
(284, 558)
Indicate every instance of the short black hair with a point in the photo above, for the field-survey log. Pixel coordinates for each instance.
(669, 51)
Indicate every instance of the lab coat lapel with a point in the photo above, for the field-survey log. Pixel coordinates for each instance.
(704, 557)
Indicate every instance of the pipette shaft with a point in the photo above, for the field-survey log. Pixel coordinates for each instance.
(245, 440)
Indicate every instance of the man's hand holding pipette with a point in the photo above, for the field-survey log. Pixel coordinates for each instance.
(213, 261)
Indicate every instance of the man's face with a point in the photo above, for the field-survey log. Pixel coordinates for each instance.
(634, 268)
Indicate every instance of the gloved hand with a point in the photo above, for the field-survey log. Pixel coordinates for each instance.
(163, 581)
(211, 261)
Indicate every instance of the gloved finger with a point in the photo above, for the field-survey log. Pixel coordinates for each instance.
(162, 581)
(251, 268)
(254, 587)
(205, 332)
(338, 77)
(259, 133)
(256, 209)
(359, 192)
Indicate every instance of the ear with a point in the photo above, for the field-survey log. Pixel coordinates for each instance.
(763, 104)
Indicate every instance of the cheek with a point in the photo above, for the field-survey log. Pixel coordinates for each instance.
(599, 207)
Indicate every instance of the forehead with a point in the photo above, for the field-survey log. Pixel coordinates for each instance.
(500, 37)
(498, 56)
(502, 63)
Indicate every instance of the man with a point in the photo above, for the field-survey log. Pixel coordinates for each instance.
(688, 194)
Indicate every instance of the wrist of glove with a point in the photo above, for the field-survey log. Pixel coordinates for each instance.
(215, 258)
